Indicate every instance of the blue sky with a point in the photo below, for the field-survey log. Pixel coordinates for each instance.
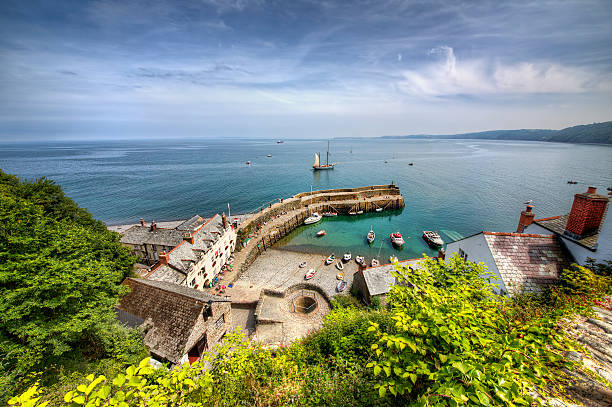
(259, 68)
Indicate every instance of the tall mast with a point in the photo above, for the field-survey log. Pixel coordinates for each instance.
(327, 153)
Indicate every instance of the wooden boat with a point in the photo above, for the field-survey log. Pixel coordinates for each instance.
(341, 286)
(397, 239)
(330, 214)
(317, 166)
(321, 233)
(374, 263)
(302, 264)
(340, 276)
(314, 218)
(330, 259)
(346, 257)
(432, 238)
(339, 266)
(310, 273)
(371, 235)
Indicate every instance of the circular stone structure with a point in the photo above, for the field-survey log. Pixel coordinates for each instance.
(305, 304)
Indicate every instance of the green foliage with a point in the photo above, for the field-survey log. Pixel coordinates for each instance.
(345, 301)
(580, 288)
(457, 344)
(60, 275)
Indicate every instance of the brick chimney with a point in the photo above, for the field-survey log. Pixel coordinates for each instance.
(224, 220)
(142, 222)
(187, 236)
(526, 219)
(587, 213)
(164, 258)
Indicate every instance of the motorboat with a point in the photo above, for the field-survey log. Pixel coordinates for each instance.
(280, 142)
(432, 238)
(314, 218)
(360, 260)
(397, 239)
(375, 263)
(269, 155)
(302, 264)
(330, 259)
(411, 164)
(346, 257)
(340, 276)
(341, 286)
(310, 273)
(321, 233)
(330, 214)
(352, 213)
(248, 163)
(572, 182)
(371, 235)
(339, 266)
(379, 209)
(359, 212)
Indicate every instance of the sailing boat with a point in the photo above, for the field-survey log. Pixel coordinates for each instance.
(371, 235)
(317, 162)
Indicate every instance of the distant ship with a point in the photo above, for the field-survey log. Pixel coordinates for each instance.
(280, 142)
(317, 162)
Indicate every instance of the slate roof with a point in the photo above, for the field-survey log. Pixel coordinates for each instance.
(379, 279)
(143, 234)
(169, 312)
(192, 223)
(556, 224)
(527, 262)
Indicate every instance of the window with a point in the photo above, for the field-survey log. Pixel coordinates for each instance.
(220, 322)
(463, 254)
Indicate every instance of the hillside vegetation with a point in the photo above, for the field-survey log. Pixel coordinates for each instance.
(599, 133)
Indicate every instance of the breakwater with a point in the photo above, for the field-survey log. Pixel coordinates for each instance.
(262, 230)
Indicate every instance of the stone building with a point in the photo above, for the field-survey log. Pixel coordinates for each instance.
(148, 241)
(178, 323)
(198, 258)
(377, 281)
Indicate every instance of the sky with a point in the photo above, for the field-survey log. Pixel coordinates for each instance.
(118, 69)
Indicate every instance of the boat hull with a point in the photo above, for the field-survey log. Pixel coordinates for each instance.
(323, 167)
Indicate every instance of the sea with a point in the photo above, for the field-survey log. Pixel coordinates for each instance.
(457, 187)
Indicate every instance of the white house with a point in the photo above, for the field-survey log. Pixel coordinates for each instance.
(197, 260)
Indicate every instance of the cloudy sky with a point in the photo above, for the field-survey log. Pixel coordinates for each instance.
(300, 68)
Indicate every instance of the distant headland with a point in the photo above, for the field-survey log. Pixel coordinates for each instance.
(596, 133)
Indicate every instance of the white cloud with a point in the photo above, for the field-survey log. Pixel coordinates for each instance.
(448, 77)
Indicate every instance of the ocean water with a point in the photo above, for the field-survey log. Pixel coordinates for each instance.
(458, 187)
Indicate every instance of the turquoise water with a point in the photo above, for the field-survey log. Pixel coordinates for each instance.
(458, 187)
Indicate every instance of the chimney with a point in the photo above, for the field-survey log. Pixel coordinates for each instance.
(187, 236)
(526, 219)
(224, 219)
(153, 225)
(142, 222)
(164, 258)
(586, 215)
(441, 254)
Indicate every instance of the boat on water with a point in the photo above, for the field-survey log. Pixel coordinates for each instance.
(340, 276)
(330, 259)
(248, 163)
(411, 164)
(302, 264)
(269, 155)
(280, 142)
(340, 266)
(314, 218)
(572, 182)
(346, 257)
(397, 239)
(341, 286)
(310, 273)
(379, 209)
(375, 263)
(330, 214)
(321, 233)
(359, 212)
(352, 213)
(360, 260)
(317, 166)
(371, 235)
(432, 238)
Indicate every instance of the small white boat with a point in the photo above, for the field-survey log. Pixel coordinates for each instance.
(339, 266)
(397, 239)
(352, 213)
(314, 218)
(330, 259)
(379, 209)
(321, 233)
(341, 286)
(302, 264)
(432, 238)
(360, 260)
(346, 257)
(359, 212)
(340, 276)
(330, 214)
(371, 235)
(310, 273)
(375, 263)
(269, 155)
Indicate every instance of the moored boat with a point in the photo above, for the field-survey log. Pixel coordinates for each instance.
(330, 214)
(330, 259)
(432, 238)
(374, 263)
(339, 266)
(397, 239)
(359, 212)
(340, 276)
(360, 260)
(379, 209)
(321, 233)
(310, 273)
(341, 286)
(346, 257)
(302, 264)
(314, 218)
(371, 235)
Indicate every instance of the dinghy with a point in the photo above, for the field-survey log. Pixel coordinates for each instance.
(341, 286)
(330, 259)
(310, 273)
(339, 266)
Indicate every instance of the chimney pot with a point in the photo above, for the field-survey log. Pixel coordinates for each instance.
(188, 237)
(526, 219)
(142, 222)
(224, 220)
(587, 213)
(164, 258)
(591, 190)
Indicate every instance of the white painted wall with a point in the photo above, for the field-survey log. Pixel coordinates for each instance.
(205, 265)
(477, 251)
